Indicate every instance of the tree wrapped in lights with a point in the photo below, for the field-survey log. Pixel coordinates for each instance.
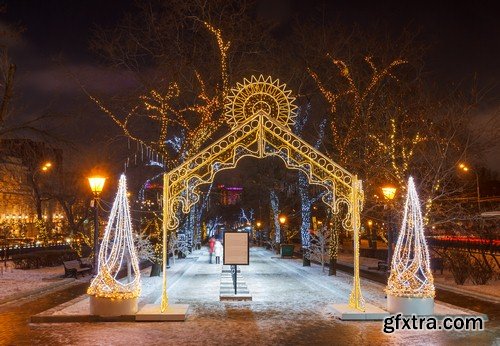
(117, 247)
(411, 276)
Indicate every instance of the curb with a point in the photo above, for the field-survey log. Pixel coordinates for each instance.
(45, 289)
(464, 292)
(80, 318)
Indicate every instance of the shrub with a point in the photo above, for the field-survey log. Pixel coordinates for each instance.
(460, 265)
(480, 272)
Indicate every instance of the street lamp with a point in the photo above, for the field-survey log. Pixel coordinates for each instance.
(466, 169)
(96, 185)
(46, 166)
(282, 219)
(258, 224)
(389, 192)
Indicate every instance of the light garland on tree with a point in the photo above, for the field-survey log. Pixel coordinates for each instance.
(116, 248)
(411, 276)
(163, 108)
(362, 101)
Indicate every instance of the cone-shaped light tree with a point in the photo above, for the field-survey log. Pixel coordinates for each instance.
(117, 249)
(411, 276)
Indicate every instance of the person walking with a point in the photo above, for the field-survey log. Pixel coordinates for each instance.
(218, 251)
(211, 245)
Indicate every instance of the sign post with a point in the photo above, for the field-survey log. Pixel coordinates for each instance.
(236, 252)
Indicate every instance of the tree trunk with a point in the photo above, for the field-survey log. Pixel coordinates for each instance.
(155, 270)
(68, 210)
(332, 268)
(275, 215)
(306, 261)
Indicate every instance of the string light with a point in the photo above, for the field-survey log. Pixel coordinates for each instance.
(161, 108)
(344, 132)
(411, 276)
(223, 49)
(400, 148)
(117, 246)
(261, 128)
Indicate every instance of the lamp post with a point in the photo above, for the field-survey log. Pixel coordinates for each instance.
(282, 220)
(258, 224)
(96, 185)
(466, 169)
(389, 192)
(372, 235)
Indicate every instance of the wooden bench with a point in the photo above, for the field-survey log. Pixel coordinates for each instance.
(85, 262)
(382, 265)
(73, 268)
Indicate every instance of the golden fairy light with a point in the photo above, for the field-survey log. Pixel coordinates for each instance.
(199, 121)
(359, 94)
(260, 111)
(260, 94)
(117, 247)
(411, 276)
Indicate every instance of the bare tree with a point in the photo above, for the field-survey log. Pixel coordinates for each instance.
(320, 245)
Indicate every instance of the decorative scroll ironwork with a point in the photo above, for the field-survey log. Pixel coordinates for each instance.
(263, 131)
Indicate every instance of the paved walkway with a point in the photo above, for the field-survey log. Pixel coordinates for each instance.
(291, 305)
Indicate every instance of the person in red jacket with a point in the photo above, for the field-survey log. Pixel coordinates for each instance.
(211, 245)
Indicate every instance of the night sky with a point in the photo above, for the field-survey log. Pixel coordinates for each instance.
(464, 41)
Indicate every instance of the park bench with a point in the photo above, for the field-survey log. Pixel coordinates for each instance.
(382, 265)
(86, 262)
(73, 268)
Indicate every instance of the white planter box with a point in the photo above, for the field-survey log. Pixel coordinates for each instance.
(113, 307)
(410, 306)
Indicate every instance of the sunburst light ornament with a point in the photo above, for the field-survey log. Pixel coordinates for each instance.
(260, 94)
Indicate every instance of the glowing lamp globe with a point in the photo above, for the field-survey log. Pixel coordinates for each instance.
(96, 184)
(389, 192)
(259, 224)
(282, 219)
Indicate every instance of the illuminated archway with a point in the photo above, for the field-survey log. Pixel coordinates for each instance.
(261, 112)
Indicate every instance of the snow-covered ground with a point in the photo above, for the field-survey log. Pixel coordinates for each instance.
(14, 282)
(492, 288)
(291, 305)
(150, 290)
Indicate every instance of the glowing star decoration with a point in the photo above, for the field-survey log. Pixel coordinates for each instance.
(260, 94)
(117, 248)
(411, 276)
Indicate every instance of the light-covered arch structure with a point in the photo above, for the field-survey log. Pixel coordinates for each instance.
(261, 112)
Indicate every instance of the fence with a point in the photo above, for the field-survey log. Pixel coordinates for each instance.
(7, 251)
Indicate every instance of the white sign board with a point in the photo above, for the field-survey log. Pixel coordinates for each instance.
(236, 249)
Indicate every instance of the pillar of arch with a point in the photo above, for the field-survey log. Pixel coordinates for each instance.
(261, 112)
